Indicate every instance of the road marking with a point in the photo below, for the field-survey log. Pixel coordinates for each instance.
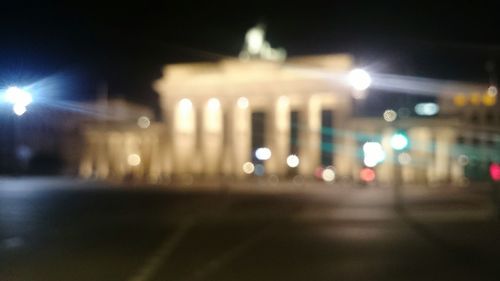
(166, 248)
(225, 258)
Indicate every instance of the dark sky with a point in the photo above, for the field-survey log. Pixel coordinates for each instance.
(82, 43)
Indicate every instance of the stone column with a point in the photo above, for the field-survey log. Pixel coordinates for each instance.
(309, 136)
(445, 138)
(184, 142)
(166, 139)
(198, 159)
(102, 165)
(278, 136)
(241, 136)
(420, 153)
(385, 170)
(155, 157)
(86, 166)
(212, 138)
(228, 159)
(343, 151)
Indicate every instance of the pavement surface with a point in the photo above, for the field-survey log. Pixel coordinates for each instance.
(62, 229)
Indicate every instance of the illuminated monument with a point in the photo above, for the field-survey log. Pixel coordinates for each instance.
(208, 109)
(216, 115)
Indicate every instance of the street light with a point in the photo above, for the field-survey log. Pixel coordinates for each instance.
(359, 79)
(399, 141)
(19, 99)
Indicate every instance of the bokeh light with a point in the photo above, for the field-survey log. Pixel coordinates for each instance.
(373, 154)
(390, 115)
(16, 95)
(248, 168)
(19, 109)
(426, 109)
(134, 159)
(263, 153)
(292, 161)
(460, 100)
(489, 100)
(260, 170)
(359, 79)
(143, 122)
(328, 174)
(367, 175)
(475, 98)
(492, 91)
(399, 141)
(495, 171)
(404, 158)
(298, 180)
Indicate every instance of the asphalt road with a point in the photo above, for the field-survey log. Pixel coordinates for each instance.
(85, 231)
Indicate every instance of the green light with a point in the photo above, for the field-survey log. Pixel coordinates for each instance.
(399, 141)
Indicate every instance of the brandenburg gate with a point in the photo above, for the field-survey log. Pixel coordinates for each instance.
(208, 110)
(216, 115)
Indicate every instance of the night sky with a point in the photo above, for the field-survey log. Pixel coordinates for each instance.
(83, 44)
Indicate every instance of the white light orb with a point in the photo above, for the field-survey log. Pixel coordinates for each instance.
(328, 174)
(292, 161)
(143, 122)
(242, 103)
(248, 168)
(390, 115)
(359, 79)
(492, 91)
(426, 109)
(399, 141)
(15, 95)
(213, 104)
(373, 154)
(404, 158)
(19, 109)
(134, 159)
(370, 162)
(263, 153)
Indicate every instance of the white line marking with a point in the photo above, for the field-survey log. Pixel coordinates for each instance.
(167, 247)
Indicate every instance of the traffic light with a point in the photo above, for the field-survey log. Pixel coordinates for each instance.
(400, 140)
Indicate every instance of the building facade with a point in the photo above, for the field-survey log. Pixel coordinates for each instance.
(265, 115)
(216, 115)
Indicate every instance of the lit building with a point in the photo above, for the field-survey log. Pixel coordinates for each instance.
(56, 139)
(217, 115)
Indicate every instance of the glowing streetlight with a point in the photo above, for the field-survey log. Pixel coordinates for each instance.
(19, 99)
(19, 109)
(359, 79)
(373, 154)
